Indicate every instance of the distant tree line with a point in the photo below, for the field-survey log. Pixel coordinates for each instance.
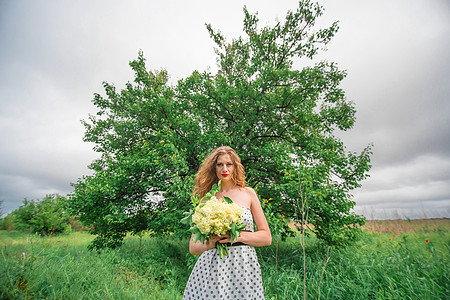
(46, 217)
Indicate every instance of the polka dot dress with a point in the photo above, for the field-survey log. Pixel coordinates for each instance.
(235, 277)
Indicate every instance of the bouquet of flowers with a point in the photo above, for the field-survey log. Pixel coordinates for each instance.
(215, 216)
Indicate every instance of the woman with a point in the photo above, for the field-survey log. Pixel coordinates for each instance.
(239, 275)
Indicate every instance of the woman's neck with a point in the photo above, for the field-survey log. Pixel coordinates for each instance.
(227, 186)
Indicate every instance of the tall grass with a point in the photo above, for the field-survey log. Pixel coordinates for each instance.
(404, 267)
(379, 266)
(33, 267)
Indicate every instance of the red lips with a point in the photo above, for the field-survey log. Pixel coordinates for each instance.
(225, 175)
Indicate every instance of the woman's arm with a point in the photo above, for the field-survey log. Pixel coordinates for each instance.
(259, 238)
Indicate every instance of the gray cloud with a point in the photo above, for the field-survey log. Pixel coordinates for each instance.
(55, 55)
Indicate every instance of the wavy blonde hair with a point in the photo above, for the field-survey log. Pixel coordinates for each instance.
(206, 176)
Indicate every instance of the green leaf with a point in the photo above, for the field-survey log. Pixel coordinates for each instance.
(215, 189)
(188, 218)
(223, 250)
(195, 200)
(194, 229)
(197, 236)
(228, 200)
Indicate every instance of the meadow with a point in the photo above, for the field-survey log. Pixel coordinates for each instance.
(388, 262)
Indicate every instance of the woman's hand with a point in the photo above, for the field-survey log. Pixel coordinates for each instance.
(198, 248)
(240, 238)
(218, 238)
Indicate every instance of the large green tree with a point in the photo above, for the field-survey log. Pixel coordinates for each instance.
(281, 120)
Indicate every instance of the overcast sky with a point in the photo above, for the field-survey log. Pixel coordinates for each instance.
(54, 55)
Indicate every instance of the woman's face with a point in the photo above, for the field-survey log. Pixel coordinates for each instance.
(224, 167)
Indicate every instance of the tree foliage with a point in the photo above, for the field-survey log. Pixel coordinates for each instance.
(282, 121)
(44, 217)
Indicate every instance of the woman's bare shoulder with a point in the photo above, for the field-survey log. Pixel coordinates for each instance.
(251, 192)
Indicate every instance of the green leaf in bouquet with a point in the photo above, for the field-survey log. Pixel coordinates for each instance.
(233, 236)
(223, 250)
(240, 226)
(188, 218)
(228, 200)
(195, 200)
(216, 187)
(233, 233)
(197, 236)
(194, 229)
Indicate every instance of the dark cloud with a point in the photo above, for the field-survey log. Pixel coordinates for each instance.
(55, 55)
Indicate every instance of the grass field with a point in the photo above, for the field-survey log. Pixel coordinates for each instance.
(388, 262)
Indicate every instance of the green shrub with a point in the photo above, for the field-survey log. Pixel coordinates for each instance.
(7, 223)
(45, 217)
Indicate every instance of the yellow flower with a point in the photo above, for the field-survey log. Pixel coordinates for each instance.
(216, 216)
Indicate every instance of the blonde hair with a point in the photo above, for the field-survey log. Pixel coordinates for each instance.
(206, 176)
